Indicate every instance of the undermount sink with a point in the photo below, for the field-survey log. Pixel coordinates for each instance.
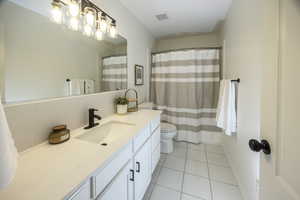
(106, 133)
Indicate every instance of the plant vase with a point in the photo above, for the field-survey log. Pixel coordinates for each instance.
(122, 109)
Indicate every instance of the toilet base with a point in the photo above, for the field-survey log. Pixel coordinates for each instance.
(167, 146)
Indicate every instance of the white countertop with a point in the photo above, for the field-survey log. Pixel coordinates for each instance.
(50, 172)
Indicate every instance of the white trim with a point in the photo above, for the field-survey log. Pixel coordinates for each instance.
(21, 103)
(115, 60)
(186, 80)
(194, 54)
(114, 80)
(114, 71)
(186, 69)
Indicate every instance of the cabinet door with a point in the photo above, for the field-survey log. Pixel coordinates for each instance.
(142, 170)
(83, 192)
(121, 187)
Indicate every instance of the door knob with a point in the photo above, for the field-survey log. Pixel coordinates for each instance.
(260, 146)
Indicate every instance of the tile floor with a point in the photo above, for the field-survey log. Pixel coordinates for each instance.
(193, 172)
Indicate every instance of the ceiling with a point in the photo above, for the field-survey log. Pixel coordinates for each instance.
(184, 16)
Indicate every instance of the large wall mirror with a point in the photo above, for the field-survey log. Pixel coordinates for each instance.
(40, 59)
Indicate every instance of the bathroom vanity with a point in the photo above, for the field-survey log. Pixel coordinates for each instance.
(114, 160)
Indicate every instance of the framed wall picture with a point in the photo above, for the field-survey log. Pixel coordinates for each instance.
(139, 75)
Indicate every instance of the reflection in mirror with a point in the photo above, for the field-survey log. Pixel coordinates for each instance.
(44, 60)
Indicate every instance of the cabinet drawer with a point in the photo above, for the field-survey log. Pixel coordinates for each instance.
(83, 193)
(107, 174)
(141, 138)
(155, 138)
(154, 124)
(155, 157)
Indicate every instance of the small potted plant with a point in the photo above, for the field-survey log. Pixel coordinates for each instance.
(122, 105)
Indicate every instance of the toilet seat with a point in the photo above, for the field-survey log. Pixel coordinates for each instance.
(168, 131)
(167, 128)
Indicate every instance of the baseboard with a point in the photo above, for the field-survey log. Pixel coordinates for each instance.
(234, 170)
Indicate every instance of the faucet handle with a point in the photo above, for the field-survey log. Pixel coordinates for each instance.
(92, 110)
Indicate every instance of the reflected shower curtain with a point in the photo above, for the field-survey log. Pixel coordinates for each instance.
(114, 73)
(185, 86)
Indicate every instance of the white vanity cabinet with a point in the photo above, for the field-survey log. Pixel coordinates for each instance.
(155, 143)
(128, 175)
(155, 148)
(121, 186)
(83, 193)
(142, 168)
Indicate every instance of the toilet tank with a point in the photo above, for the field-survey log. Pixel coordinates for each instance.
(146, 106)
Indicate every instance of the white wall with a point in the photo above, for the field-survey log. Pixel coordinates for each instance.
(202, 40)
(1, 58)
(31, 122)
(244, 53)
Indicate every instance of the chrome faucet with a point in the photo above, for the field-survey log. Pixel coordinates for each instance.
(92, 117)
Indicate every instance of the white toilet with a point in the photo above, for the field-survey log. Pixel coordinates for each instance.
(168, 132)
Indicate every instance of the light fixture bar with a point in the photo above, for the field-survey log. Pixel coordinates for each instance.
(89, 15)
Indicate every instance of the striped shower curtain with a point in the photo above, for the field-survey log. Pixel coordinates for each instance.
(114, 73)
(185, 86)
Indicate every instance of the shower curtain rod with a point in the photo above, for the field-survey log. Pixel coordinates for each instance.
(186, 49)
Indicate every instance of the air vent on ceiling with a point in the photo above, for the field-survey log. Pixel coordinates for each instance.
(161, 17)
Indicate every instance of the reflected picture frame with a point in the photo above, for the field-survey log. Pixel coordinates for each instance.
(139, 75)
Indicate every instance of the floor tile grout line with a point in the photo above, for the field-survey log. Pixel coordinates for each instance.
(209, 178)
(218, 165)
(160, 167)
(166, 187)
(184, 170)
(155, 183)
(187, 148)
(197, 197)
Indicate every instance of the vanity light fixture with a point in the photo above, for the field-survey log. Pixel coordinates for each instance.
(112, 29)
(98, 33)
(74, 8)
(57, 13)
(89, 14)
(83, 15)
(88, 31)
(103, 23)
(74, 23)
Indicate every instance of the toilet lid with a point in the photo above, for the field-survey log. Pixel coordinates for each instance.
(167, 128)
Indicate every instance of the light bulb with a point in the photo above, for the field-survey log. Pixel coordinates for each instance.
(74, 23)
(99, 34)
(103, 24)
(74, 8)
(90, 17)
(56, 13)
(113, 30)
(88, 30)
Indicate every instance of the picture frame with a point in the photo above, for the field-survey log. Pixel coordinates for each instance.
(139, 75)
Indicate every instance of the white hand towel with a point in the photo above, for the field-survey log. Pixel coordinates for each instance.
(76, 87)
(89, 86)
(8, 152)
(226, 112)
